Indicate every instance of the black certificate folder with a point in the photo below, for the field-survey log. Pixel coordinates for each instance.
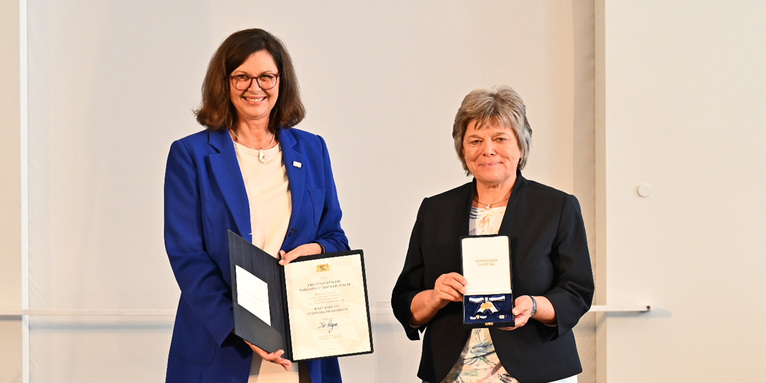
(314, 307)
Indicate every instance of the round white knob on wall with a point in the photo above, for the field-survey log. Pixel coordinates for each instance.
(644, 190)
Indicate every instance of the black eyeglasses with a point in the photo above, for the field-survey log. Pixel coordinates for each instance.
(243, 82)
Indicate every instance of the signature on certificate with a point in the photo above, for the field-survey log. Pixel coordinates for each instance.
(328, 325)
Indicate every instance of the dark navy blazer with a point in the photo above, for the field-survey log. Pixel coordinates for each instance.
(549, 257)
(204, 197)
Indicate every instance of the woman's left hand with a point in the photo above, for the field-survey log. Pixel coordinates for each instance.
(522, 310)
(307, 249)
(273, 357)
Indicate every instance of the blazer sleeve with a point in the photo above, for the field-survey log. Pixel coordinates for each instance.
(198, 275)
(572, 292)
(329, 231)
(411, 279)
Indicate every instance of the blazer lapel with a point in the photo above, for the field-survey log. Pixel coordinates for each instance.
(296, 176)
(225, 172)
(465, 228)
(510, 211)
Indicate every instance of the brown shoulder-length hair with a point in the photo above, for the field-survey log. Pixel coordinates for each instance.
(500, 104)
(217, 111)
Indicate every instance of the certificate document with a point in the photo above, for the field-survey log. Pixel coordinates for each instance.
(487, 267)
(314, 307)
(328, 296)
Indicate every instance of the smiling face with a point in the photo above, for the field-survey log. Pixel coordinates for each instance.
(254, 104)
(491, 153)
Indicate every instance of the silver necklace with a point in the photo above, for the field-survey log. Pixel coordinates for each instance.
(261, 154)
(489, 205)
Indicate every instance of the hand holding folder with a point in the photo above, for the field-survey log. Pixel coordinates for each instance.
(314, 307)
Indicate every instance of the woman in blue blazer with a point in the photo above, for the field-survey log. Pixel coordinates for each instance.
(550, 267)
(252, 173)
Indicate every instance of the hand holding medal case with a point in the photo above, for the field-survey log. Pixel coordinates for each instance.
(488, 300)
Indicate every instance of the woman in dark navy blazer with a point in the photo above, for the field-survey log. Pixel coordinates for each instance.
(250, 172)
(550, 265)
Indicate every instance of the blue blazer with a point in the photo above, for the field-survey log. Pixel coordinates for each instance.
(204, 197)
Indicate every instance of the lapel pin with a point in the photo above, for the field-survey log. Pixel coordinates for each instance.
(297, 164)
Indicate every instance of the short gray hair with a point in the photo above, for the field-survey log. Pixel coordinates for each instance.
(501, 104)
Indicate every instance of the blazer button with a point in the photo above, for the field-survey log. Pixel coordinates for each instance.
(291, 232)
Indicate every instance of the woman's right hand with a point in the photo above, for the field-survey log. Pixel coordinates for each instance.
(274, 357)
(448, 288)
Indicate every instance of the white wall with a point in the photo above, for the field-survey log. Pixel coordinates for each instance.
(681, 109)
(112, 84)
(10, 192)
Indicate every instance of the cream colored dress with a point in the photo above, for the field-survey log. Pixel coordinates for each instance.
(268, 193)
